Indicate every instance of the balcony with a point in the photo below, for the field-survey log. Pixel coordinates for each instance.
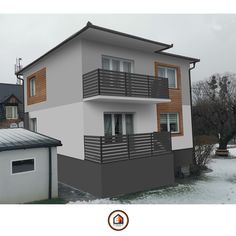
(108, 149)
(106, 85)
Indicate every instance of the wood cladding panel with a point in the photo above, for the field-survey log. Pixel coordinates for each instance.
(175, 95)
(40, 87)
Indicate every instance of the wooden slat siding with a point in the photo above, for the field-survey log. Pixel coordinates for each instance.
(40, 87)
(175, 95)
(115, 83)
(126, 147)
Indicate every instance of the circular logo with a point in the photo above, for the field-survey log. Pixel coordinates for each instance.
(118, 220)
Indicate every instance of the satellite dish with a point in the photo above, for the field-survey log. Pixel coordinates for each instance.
(21, 124)
(13, 125)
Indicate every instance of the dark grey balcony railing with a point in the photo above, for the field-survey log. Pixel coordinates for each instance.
(109, 149)
(115, 83)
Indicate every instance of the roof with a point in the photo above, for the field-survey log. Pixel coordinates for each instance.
(102, 34)
(190, 59)
(19, 138)
(7, 90)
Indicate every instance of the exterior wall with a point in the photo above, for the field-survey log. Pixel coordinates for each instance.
(64, 123)
(144, 63)
(29, 186)
(144, 116)
(106, 180)
(64, 77)
(40, 87)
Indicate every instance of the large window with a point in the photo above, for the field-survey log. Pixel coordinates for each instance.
(32, 87)
(169, 122)
(117, 64)
(118, 124)
(11, 112)
(170, 73)
(21, 166)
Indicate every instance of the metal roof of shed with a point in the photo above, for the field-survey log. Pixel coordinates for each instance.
(19, 138)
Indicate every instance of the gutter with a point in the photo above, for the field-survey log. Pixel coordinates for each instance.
(163, 49)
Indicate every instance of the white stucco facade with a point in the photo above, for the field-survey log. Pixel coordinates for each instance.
(65, 116)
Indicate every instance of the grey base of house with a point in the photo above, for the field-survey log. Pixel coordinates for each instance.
(113, 179)
(183, 158)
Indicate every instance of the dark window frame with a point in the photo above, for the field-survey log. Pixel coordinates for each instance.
(17, 169)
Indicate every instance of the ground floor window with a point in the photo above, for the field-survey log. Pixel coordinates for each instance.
(118, 124)
(33, 124)
(169, 122)
(21, 166)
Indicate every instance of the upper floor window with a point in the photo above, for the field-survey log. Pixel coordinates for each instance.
(117, 64)
(170, 73)
(11, 112)
(32, 87)
(169, 122)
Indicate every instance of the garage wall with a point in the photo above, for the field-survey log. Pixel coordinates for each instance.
(28, 186)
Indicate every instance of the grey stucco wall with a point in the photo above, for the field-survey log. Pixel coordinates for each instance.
(64, 77)
(27, 186)
(143, 62)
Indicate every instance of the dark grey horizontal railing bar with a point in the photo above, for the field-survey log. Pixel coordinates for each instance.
(107, 149)
(116, 83)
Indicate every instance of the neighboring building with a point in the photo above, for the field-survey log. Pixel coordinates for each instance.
(11, 104)
(28, 164)
(113, 99)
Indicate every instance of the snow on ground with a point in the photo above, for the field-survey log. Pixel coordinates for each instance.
(218, 186)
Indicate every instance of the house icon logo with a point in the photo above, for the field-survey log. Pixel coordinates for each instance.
(118, 220)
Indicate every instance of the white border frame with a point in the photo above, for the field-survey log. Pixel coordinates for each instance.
(25, 172)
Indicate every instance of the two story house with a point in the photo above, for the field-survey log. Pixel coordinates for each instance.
(11, 105)
(121, 107)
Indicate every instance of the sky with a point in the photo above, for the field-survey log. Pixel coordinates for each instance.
(211, 38)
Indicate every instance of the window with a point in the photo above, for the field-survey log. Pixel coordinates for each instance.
(169, 73)
(33, 124)
(32, 87)
(169, 122)
(23, 166)
(117, 64)
(118, 124)
(11, 112)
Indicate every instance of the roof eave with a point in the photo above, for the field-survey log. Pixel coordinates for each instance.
(90, 25)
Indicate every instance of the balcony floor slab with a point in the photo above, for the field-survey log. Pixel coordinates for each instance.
(119, 99)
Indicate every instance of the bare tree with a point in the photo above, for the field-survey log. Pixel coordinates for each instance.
(214, 108)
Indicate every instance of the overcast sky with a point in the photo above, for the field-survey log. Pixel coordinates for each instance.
(211, 38)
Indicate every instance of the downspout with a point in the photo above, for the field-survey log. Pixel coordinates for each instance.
(191, 102)
(50, 173)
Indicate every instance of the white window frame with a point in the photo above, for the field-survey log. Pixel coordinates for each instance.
(32, 87)
(24, 172)
(168, 121)
(166, 76)
(121, 60)
(13, 108)
(123, 121)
